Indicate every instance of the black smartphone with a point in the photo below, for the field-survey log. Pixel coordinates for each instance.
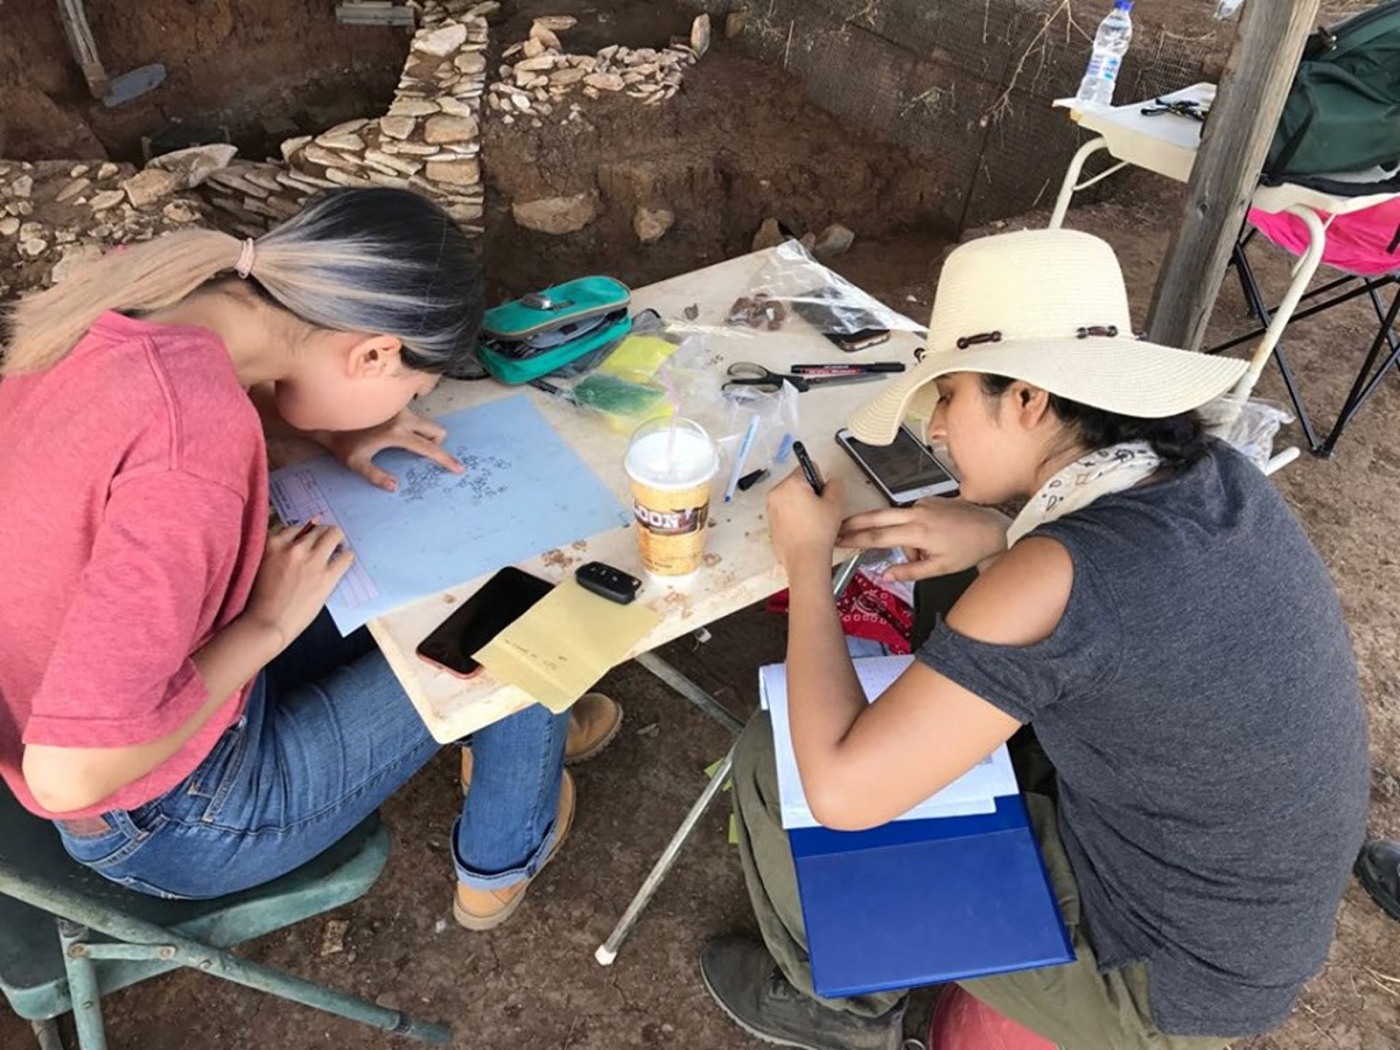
(905, 470)
(850, 342)
(848, 327)
(502, 600)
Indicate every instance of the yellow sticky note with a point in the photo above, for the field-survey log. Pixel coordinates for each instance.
(565, 643)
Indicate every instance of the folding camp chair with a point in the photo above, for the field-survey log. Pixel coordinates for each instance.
(67, 935)
(1330, 188)
(1167, 144)
(1364, 246)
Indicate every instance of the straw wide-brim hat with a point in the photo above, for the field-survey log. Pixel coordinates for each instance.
(1048, 307)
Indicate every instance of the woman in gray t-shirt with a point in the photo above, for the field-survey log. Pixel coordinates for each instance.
(1157, 616)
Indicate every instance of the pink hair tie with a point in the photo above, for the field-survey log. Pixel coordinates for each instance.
(245, 258)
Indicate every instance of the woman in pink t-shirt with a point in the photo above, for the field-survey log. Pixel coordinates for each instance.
(171, 694)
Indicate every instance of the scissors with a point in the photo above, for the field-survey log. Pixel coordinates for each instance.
(746, 373)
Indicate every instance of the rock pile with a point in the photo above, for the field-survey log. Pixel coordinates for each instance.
(55, 215)
(252, 197)
(429, 140)
(543, 74)
(832, 241)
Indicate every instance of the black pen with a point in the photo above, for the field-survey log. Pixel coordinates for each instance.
(554, 391)
(809, 469)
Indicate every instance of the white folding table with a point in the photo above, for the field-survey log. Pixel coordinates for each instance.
(740, 567)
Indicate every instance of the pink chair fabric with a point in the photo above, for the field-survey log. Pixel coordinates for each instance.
(1363, 242)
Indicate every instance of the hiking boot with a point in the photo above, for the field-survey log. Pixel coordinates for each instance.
(1378, 870)
(594, 721)
(742, 977)
(486, 909)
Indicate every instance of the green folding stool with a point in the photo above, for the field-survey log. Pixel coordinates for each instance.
(68, 936)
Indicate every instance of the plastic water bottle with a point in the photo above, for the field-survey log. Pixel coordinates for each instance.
(1110, 45)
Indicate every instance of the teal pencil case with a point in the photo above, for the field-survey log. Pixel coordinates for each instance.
(545, 331)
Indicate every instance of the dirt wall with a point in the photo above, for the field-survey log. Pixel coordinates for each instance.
(261, 70)
(970, 84)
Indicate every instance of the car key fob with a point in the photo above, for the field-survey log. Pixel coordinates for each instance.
(607, 582)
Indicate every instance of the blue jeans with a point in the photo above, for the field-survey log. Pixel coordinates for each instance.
(327, 735)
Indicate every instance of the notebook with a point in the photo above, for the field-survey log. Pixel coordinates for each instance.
(974, 792)
(931, 897)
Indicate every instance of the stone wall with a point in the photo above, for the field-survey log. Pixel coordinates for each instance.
(429, 140)
(969, 83)
(54, 215)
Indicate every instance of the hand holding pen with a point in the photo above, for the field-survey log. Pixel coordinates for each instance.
(805, 514)
(808, 468)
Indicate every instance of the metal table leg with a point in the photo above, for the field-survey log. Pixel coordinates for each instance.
(691, 691)
(607, 951)
(1071, 184)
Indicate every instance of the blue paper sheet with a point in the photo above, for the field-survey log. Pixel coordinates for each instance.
(525, 492)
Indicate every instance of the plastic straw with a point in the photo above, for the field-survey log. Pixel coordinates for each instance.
(669, 383)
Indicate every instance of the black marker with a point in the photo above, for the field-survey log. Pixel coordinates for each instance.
(809, 469)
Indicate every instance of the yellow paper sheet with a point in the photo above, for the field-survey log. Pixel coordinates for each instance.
(565, 643)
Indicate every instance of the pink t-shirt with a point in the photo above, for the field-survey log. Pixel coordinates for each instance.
(134, 488)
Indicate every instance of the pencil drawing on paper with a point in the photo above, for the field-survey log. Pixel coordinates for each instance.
(524, 491)
(484, 478)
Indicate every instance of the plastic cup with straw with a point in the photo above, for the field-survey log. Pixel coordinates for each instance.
(671, 465)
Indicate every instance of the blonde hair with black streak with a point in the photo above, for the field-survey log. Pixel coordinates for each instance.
(380, 261)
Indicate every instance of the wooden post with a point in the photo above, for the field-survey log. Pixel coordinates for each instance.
(1233, 146)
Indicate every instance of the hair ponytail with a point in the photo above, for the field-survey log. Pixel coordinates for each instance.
(383, 261)
(146, 276)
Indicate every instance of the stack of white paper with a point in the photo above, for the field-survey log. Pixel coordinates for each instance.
(975, 791)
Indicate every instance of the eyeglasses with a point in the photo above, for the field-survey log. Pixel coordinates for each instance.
(1181, 107)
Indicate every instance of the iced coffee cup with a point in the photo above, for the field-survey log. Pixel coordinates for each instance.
(671, 463)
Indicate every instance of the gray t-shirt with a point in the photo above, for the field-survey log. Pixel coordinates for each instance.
(1199, 700)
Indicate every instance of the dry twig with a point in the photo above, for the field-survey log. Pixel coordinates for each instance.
(1385, 982)
(1002, 106)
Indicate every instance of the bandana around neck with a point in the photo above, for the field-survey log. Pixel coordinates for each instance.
(1101, 472)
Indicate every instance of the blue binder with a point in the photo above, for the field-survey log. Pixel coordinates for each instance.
(923, 902)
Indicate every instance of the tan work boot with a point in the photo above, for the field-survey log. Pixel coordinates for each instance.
(594, 721)
(486, 909)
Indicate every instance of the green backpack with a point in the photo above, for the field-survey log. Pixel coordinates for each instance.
(1342, 113)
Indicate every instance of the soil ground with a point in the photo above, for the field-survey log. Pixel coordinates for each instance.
(534, 983)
